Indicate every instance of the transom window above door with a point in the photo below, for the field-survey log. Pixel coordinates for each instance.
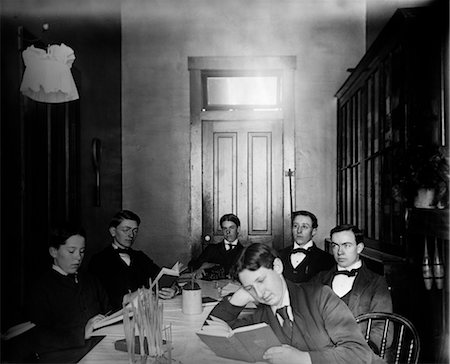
(238, 90)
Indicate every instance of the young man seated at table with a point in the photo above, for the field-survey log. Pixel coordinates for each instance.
(215, 261)
(311, 322)
(361, 289)
(303, 259)
(122, 269)
(64, 304)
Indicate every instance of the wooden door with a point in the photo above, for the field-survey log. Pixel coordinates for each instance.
(243, 174)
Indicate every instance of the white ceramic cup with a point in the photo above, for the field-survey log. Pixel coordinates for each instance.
(192, 301)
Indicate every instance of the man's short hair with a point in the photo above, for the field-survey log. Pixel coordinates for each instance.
(253, 257)
(359, 234)
(59, 234)
(230, 217)
(124, 215)
(306, 213)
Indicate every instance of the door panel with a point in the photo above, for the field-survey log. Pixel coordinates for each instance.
(242, 174)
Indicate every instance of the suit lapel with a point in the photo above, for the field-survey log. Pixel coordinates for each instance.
(362, 281)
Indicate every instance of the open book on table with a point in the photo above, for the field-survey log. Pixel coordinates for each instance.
(117, 316)
(247, 343)
(167, 276)
(109, 319)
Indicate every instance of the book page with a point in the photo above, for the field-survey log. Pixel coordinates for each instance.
(108, 320)
(17, 330)
(165, 277)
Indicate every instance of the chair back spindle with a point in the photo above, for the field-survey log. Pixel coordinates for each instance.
(399, 342)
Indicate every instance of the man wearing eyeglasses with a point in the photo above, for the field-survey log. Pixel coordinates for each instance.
(122, 269)
(303, 259)
(360, 288)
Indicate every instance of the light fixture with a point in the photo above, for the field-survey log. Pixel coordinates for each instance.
(48, 77)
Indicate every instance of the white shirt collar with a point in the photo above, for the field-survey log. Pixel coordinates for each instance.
(355, 265)
(231, 242)
(59, 270)
(116, 246)
(285, 301)
(308, 245)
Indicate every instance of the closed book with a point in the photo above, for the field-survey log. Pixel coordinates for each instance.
(247, 343)
(209, 301)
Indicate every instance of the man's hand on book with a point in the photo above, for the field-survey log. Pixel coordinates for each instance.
(89, 328)
(286, 354)
(200, 272)
(166, 293)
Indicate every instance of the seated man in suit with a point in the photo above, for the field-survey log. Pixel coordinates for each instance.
(122, 269)
(303, 259)
(311, 322)
(360, 288)
(64, 304)
(215, 261)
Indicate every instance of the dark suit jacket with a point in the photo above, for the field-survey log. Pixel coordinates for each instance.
(323, 325)
(61, 308)
(117, 277)
(315, 261)
(369, 293)
(216, 253)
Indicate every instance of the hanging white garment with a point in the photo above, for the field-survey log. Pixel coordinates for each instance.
(48, 76)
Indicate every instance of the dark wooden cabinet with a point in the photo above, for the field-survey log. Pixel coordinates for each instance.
(427, 303)
(394, 100)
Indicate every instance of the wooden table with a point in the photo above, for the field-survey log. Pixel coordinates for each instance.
(187, 347)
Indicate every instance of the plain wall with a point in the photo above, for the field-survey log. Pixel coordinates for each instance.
(326, 36)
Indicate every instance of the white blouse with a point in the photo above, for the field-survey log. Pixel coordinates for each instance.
(47, 76)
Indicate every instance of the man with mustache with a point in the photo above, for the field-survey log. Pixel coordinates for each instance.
(215, 261)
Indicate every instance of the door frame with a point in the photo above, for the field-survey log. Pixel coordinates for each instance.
(285, 64)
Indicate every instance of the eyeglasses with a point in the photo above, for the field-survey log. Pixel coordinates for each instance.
(344, 246)
(127, 230)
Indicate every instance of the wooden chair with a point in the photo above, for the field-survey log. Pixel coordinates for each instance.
(405, 346)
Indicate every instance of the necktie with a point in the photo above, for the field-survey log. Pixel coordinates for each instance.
(287, 323)
(229, 246)
(351, 273)
(300, 250)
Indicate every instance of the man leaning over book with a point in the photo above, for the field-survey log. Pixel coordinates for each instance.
(312, 323)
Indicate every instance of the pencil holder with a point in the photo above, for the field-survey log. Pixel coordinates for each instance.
(192, 299)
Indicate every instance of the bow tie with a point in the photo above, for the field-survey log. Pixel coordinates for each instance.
(299, 250)
(229, 245)
(124, 251)
(351, 273)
